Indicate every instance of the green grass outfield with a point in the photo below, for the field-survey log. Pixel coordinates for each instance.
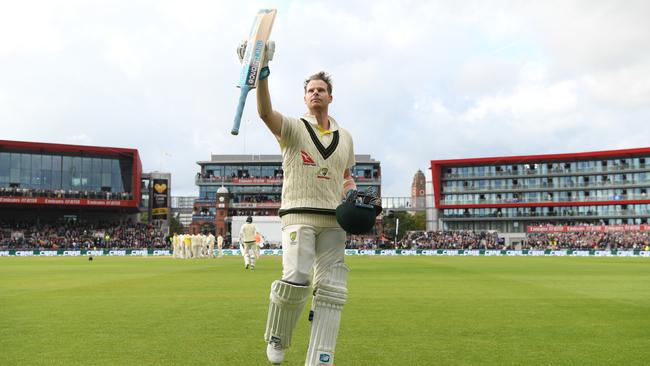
(401, 311)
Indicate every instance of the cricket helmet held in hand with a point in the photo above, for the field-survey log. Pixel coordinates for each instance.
(357, 213)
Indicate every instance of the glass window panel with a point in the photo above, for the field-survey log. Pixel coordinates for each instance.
(36, 171)
(116, 177)
(5, 166)
(86, 172)
(25, 170)
(254, 171)
(66, 173)
(56, 172)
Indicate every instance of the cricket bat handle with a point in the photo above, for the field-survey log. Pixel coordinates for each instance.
(240, 109)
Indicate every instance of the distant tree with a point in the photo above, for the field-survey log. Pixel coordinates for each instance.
(175, 226)
(407, 222)
(419, 221)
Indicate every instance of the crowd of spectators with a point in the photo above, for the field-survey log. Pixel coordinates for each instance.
(73, 235)
(470, 240)
(466, 240)
(461, 239)
(595, 240)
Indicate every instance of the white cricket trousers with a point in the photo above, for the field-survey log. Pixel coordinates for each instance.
(305, 247)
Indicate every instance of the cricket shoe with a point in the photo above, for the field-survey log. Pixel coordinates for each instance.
(246, 266)
(274, 352)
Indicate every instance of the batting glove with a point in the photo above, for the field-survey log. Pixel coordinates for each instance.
(270, 51)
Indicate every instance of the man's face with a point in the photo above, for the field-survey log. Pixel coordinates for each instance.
(316, 95)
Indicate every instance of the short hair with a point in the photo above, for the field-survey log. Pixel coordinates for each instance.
(322, 75)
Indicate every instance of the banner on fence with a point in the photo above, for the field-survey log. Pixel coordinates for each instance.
(350, 252)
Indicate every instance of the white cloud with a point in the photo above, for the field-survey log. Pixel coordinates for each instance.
(419, 81)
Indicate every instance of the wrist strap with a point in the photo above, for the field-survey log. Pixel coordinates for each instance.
(265, 72)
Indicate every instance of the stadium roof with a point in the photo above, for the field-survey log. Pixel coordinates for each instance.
(604, 154)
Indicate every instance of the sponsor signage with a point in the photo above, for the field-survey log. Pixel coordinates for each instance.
(256, 205)
(160, 198)
(257, 180)
(583, 228)
(350, 252)
(66, 201)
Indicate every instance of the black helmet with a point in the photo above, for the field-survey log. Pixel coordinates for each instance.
(357, 213)
(355, 218)
(249, 219)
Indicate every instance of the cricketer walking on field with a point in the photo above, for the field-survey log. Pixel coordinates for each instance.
(175, 241)
(187, 246)
(220, 245)
(247, 240)
(210, 240)
(317, 155)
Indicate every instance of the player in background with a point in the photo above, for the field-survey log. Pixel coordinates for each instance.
(259, 242)
(187, 241)
(210, 240)
(175, 245)
(197, 245)
(181, 246)
(317, 156)
(220, 245)
(247, 242)
(204, 245)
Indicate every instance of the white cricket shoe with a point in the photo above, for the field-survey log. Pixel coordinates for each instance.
(274, 353)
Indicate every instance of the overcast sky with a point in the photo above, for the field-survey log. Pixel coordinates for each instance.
(413, 80)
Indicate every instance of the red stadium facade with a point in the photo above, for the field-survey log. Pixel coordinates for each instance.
(510, 194)
(57, 179)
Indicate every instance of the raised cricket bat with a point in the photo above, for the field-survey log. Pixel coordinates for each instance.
(252, 62)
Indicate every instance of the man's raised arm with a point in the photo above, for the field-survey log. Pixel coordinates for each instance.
(272, 118)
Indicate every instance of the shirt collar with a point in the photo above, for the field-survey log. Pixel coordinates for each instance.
(312, 119)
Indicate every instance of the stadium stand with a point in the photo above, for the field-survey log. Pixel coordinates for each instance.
(22, 235)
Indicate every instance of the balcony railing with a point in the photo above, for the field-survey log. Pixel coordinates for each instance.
(236, 180)
(255, 205)
(205, 217)
(552, 172)
(546, 187)
(552, 215)
(60, 193)
(263, 180)
(628, 197)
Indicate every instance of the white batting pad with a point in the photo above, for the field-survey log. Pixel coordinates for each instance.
(251, 256)
(330, 296)
(287, 303)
